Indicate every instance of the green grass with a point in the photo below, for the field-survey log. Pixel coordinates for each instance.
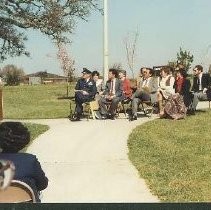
(174, 157)
(35, 102)
(35, 130)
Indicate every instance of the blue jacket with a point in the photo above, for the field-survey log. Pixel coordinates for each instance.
(89, 86)
(28, 170)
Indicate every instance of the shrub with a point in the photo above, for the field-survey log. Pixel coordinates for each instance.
(12, 75)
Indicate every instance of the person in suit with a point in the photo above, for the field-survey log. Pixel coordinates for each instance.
(147, 91)
(85, 91)
(112, 95)
(201, 83)
(14, 136)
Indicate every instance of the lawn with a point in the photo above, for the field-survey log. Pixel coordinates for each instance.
(35, 130)
(37, 101)
(174, 157)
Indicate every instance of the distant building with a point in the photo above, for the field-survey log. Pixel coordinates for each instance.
(35, 80)
(44, 78)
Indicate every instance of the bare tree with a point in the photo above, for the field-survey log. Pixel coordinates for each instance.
(131, 46)
(117, 66)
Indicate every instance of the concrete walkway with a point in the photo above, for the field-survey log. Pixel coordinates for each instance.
(87, 161)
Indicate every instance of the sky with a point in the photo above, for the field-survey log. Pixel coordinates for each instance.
(163, 25)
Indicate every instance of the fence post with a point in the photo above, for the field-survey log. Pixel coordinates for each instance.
(1, 104)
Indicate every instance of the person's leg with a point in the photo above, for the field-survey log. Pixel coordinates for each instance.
(144, 96)
(136, 94)
(187, 99)
(195, 101)
(113, 107)
(102, 104)
(79, 100)
(200, 96)
(135, 104)
(160, 103)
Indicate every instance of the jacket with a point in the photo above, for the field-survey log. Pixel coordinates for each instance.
(205, 82)
(89, 86)
(28, 170)
(118, 88)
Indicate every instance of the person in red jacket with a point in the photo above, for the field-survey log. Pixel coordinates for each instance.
(127, 91)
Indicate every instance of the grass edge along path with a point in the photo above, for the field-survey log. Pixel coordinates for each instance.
(174, 157)
(35, 131)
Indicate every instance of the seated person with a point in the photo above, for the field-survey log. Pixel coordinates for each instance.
(14, 136)
(166, 87)
(136, 82)
(127, 91)
(99, 84)
(145, 92)
(182, 86)
(174, 107)
(85, 91)
(201, 83)
(112, 95)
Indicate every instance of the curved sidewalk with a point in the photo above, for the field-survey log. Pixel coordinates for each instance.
(87, 162)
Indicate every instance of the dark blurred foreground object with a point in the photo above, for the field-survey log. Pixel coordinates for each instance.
(17, 192)
(14, 136)
(7, 171)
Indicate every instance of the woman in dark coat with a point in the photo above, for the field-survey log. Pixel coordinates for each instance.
(14, 136)
(182, 86)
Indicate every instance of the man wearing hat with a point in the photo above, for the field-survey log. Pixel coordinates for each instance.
(85, 91)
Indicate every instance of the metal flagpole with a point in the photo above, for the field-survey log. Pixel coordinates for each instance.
(105, 42)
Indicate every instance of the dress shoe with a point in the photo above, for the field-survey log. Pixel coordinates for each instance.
(103, 117)
(191, 112)
(112, 117)
(75, 118)
(97, 115)
(132, 117)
